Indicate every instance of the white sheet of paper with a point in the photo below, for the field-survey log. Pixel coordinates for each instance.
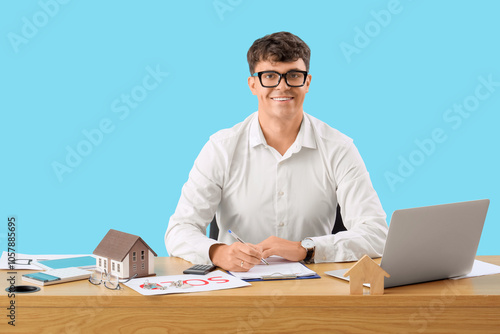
(481, 268)
(4, 260)
(277, 267)
(215, 280)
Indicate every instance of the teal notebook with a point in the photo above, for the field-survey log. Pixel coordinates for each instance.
(56, 276)
(80, 262)
(42, 277)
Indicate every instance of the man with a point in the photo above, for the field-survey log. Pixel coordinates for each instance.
(276, 178)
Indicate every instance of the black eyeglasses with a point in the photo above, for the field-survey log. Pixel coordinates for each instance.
(270, 79)
(107, 279)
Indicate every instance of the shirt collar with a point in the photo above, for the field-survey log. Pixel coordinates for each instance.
(308, 139)
(305, 137)
(256, 136)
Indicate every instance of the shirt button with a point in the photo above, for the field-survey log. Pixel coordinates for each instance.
(281, 224)
(281, 193)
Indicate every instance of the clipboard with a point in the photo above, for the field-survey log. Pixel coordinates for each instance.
(279, 277)
(282, 270)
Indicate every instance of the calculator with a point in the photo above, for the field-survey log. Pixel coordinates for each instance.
(199, 269)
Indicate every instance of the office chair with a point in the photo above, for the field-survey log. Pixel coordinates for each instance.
(337, 227)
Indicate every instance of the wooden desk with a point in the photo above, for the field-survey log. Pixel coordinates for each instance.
(316, 305)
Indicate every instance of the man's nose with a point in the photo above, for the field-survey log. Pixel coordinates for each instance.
(282, 85)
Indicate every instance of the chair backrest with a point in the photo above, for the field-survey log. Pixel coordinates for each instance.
(339, 225)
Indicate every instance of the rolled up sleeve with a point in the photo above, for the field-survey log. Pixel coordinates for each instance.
(186, 233)
(362, 213)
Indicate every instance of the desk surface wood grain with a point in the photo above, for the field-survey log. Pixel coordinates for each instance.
(465, 305)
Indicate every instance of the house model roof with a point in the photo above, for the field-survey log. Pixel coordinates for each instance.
(366, 266)
(116, 245)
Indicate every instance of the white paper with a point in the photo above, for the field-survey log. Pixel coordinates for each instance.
(278, 267)
(481, 268)
(215, 280)
(4, 260)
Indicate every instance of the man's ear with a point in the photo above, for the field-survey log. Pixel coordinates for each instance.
(251, 85)
(308, 82)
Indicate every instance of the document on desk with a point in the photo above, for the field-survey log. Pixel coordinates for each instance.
(29, 261)
(481, 268)
(277, 269)
(162, 285)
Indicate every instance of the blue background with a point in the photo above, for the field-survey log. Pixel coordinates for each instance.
(79, 58)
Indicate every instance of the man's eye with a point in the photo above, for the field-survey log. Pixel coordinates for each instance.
(295, 75)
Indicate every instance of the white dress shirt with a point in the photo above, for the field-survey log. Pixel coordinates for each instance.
(256, 192)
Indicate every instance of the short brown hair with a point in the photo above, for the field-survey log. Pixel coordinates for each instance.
(278, 47)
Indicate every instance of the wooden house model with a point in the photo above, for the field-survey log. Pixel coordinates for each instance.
(124, 255)
(366, 271)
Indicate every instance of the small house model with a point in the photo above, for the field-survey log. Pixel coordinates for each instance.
(366, 271)
(124, 255)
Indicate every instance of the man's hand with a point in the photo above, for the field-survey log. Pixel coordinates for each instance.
(235, 257)
(290, 250)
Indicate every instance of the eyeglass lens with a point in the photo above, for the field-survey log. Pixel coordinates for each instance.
(110, 281)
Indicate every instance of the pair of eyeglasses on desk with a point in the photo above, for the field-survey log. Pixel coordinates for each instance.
(107, 279)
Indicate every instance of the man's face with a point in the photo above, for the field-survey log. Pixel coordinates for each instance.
(281, 102)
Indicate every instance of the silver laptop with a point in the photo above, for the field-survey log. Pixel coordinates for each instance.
(431, 243)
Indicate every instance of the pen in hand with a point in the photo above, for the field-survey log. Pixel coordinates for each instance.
(240, 240)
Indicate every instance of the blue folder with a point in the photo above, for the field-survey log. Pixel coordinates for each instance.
(80, 261)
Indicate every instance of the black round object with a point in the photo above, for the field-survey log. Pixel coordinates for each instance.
(22, 289)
